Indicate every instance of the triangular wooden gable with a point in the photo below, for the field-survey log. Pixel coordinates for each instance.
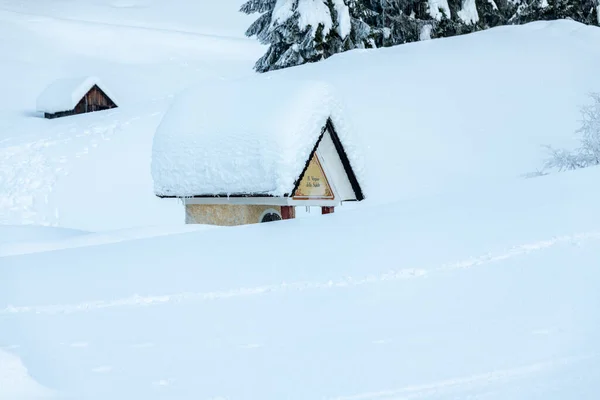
(314, 184)
(305, 187)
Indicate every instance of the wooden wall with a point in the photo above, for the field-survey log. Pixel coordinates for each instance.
(94, 100)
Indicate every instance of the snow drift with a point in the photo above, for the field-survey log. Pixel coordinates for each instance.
(432, 116)
(64, 94)
(245, 136)
(485, 293)
(455, 279)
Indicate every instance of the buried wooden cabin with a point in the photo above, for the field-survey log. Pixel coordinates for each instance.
(286, 147)
(73, 96)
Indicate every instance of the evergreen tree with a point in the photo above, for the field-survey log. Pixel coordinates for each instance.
(297, 34)
(301, 31)
(584, 11)
(393, 22)
(260, 27)
(491, 13)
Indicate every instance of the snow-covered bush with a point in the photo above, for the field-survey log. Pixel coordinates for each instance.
(588, 153)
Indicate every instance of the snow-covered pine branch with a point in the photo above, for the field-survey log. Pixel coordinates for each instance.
(588, 153)
(299, 31)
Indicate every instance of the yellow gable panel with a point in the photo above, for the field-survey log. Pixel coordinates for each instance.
(314, 184)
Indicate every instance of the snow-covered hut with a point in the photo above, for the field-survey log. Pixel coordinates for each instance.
(74, 96)
(248, 151)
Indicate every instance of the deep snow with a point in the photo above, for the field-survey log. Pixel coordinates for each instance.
(15, 382)
(64, 94)
(455, 279)
(488, 294)
(105, 155)
(500, 95)
(250, 135)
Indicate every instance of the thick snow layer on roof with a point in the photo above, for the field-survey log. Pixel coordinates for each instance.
(244, 136)
(64, 94)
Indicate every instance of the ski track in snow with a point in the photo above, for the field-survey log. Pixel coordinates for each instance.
(467, 382)
(348, 282)
(30, 170)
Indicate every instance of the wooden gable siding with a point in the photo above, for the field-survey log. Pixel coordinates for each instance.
(94, 100)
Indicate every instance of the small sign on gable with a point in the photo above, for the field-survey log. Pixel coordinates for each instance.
(314, 184)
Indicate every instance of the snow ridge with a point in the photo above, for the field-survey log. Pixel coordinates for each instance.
(402, 274)
(502, 375)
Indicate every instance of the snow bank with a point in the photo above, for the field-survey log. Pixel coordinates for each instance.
(432, 136)
(488, 293)
(59, 239)
(28, 233)
(249, 136)
(15, 382)
(64, 94)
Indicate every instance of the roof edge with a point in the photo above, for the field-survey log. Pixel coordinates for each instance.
(329, 126)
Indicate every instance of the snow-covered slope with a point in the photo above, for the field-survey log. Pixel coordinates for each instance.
(455, 279)
(15, 382)
(105, 155)
(433, 115)
(489, 294)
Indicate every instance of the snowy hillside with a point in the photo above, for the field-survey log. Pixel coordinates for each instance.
(455, 279)
(434, 116)
(106, 156)
(489, 295)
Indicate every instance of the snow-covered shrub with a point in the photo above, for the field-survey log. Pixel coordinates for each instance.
(588, 153)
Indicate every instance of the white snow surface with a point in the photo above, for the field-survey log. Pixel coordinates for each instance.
(15, 240)
(488, 293)
(27, 233)
(146, 53)
(15, 382)
(455, 279)
(420, 143)
(248, 136)
(468, 12)
(64, 94)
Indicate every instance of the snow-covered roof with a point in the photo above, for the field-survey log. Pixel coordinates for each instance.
(251, 136)
(64, 94)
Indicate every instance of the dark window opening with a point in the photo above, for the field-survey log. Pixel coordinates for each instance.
(269, 217)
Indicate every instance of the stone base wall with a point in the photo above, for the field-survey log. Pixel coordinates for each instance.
(225, 214)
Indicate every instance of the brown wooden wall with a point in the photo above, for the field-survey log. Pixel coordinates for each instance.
(94, 100)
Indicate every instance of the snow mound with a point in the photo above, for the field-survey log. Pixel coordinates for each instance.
(69, 239)
(28, 233)
(15, 382)
(249, 136)
(64, 94)
(487, 294)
